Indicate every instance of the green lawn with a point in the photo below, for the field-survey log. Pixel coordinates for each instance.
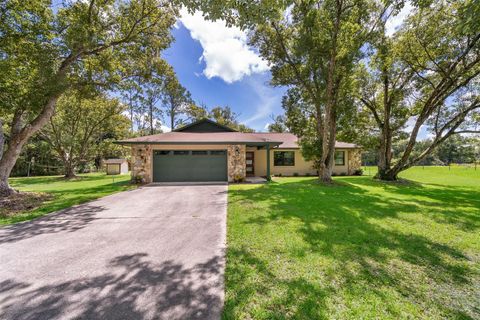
(361, 249)
(66, 193)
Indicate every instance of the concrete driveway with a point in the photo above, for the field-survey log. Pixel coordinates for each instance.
(152, 253)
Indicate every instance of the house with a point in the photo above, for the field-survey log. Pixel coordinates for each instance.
(116, 166)
(208, 151)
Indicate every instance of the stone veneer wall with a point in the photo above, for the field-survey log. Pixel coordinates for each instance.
(236, 162)
(141, 163)
(354, 160)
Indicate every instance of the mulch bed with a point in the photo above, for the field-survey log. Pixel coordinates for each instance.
(22, 201)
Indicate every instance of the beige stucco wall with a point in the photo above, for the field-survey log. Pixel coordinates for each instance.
(301, 167)
(143, 165)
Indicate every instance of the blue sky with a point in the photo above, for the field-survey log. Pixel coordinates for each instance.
(217, 66)
(219, 69)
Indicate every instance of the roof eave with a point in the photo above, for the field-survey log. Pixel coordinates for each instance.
(252, 143)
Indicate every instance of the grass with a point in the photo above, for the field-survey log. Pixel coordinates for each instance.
(360, 249)
(66, 193)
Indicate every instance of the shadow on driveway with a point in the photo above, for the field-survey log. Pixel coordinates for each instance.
(173, 292)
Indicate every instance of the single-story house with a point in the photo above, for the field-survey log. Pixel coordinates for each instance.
(116, 166)
(208, 151)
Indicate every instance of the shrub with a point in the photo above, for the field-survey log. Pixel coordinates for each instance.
(358, 172)
(343, 173)
(295, 174)
(238, 178)
(307, 174)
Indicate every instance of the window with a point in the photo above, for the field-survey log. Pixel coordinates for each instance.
(339, 158)
(217, 152)
(180, 153)
(284, 158)
(199, 153)
(162, 152)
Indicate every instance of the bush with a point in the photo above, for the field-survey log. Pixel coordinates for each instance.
(238, 178)
(358, 172)
(343, 173)
(307, 174)
(295, 174)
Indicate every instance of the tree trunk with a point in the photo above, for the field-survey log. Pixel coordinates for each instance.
(69, 171)
(329, 127)
(387, 175)
(18, 140)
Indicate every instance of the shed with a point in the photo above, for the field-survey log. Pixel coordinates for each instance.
(116, 166)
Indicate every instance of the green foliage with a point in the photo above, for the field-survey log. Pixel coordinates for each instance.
(312, 48)
(37, 159)
(84, 128)
(428, 74)
(176, 100)
(227, 117)
(79, 45)
(278, 124)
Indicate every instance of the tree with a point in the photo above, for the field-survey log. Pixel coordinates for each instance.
(278, 124)
(77, 130)
(153, 86)
(44, 52)
(428, 75)
(176, 99)
(312, 49)
(227, 117)
(196, 112)
(224, 115)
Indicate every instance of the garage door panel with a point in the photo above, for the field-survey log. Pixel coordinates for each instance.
(193, 166)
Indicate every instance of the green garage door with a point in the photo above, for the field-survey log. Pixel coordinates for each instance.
(189, 165)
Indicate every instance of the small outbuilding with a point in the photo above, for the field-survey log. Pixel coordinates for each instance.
(116, 166)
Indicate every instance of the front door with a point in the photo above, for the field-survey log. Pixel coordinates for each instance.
(249, 163)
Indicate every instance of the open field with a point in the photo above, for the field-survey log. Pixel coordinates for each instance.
(66, 193)
(360, 249)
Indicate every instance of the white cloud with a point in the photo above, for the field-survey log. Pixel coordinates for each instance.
(423, 133)
(268, 98)
(165, 128)
(396, 21)
(225, 50)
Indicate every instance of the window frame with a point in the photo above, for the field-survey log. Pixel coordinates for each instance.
(283, 164)
(343, 158)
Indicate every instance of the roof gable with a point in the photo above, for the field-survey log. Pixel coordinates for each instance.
(204, 125)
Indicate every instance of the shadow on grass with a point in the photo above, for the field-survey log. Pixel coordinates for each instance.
(25, 182)
(67, 198)
(341, 223)
(133, 288)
